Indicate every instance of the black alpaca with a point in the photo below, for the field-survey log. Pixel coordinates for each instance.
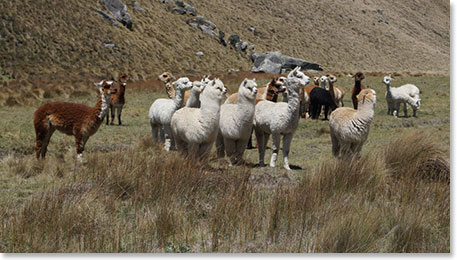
(320, 97)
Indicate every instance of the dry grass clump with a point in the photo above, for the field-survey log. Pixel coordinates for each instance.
(143, 199)
(416, 154)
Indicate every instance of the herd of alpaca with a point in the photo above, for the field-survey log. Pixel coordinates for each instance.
(195, 116)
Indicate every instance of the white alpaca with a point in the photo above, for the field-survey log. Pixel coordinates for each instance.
(406, 94)
(235, 123)
(195, 129)
(279, 119)
(349, 127)
(195, 91)
(163, 109)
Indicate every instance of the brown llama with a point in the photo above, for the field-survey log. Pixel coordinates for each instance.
(78, 120)
(358, 77)
(270, 92)
(118, 100)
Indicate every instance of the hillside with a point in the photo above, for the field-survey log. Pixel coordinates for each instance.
(66, 39)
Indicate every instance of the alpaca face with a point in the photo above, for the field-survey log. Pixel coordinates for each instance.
(387, 79)
(367, 94)
(359, 76)
(198, 86)
(248, 88)
(182, 84)
(205, 80)
(323, 80)
(316, 80)
(296, 74)
(278, 84)
(123, 78)
(215, 89)
(106, 88)
(166, 77)
(332, 78)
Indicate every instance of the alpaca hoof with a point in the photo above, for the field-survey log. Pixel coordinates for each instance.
(287, 167)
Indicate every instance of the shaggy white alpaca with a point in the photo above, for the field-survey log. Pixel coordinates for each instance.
(163, 109)
(195, 129)
(349, 127)
(279, 119)
(406, 94)
(235, 123)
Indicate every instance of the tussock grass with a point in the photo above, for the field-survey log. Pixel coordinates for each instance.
(143, 199)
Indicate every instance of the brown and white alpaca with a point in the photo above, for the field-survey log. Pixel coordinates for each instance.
(338, 92)
(78, 120)
(269, 92)
(358, 77)
(304, 98)
(118, 100)
(167, 78)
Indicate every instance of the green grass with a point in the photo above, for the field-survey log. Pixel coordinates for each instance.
(131, 196)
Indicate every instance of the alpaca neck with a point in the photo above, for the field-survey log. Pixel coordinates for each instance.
(358, 86)
(102, 105)
(209, 112)
(365, 111)
(331, 90)
(179, 99)
(170, 90)
(122, 90)
(293, 102)
(194, 97)
(246, 108)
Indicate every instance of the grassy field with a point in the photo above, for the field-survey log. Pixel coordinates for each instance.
(131, 196)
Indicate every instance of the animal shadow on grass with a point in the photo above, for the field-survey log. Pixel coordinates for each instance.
(292, 167)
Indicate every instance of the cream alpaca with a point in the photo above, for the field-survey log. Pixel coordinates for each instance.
(195, 129)
(279, 119)
(235, 124)
(406, 94)
(349, 127)
(163, 109)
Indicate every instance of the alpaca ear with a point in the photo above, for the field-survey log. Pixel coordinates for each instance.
(244, 82)
(99, 84)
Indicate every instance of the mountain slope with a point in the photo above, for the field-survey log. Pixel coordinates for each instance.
(45, 39)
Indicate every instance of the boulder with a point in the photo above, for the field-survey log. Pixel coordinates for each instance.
(138, 7)
(199, 53)
(119, 10)
(108, 18)
(178, 10)
(275, 62)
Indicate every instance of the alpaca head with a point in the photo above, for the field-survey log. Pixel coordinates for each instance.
(367, 95)
(166, 77)
(205, 80)
(331, 78)
(316, 80)
(359, 76)
(387, 79)
(299, 77)
(215, 90)
(278, 84)
(182, 84)
(198, 86)
(106, 89)
(323, 80)
(123, 78)
(248, 89)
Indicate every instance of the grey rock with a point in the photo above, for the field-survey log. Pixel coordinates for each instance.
(110, 45)
(234, 39)
(178, 10)
(251, 47)
(275, 62)
(190, 9)
(199, 53)
(119, 10)
(108, 18)
(138, 7)
(209, 31)
(180, 3)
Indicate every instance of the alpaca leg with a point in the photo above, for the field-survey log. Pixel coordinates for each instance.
(112, 114)
(80, 142)
(119, 112)
(275, 147)
(326, 112)
(220, 146)
(230, 150)
(414, 112)
(42, 141)
(285, 150)
(169, 144)
(259, 135)
(193, 150)
(250, 145)
(155, 132)
(405, 109)
(241, 146)
(335, 145)
(180, 144)
(107, 116)
(162, 134)
(204, 150)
